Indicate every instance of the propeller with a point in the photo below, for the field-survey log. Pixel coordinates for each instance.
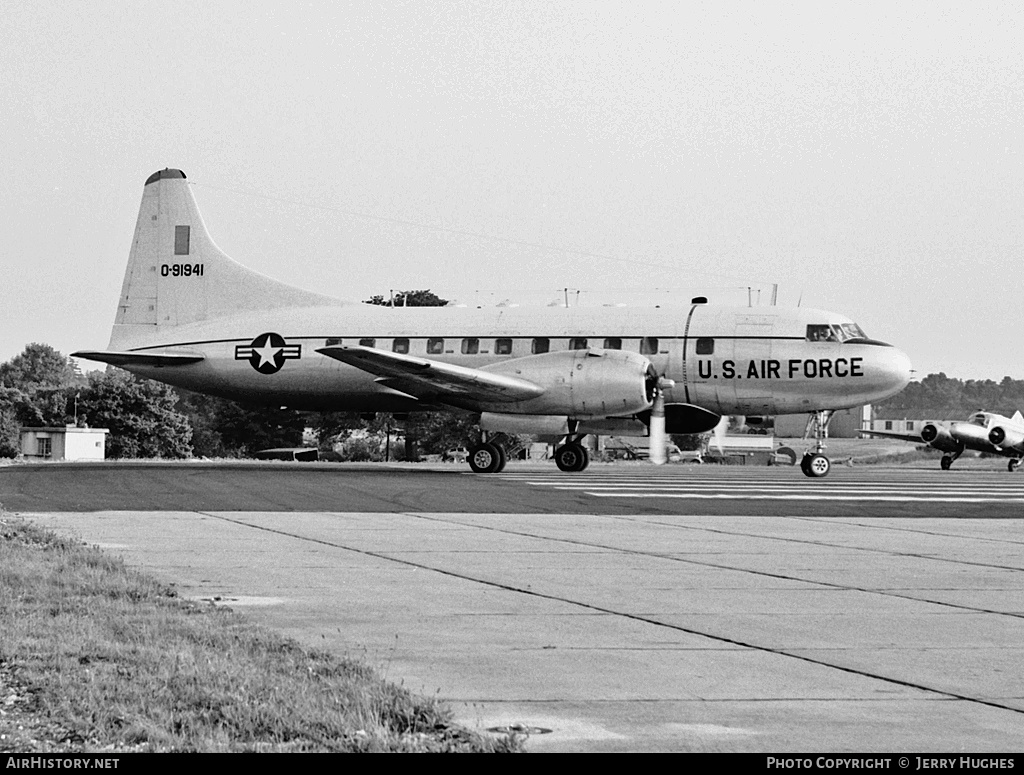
(658, 438)
(719, 433)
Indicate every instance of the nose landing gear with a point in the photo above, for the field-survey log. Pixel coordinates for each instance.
(814, 462)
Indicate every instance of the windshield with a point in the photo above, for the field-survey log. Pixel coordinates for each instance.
(835, 332)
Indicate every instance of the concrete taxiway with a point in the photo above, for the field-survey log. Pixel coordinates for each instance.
(629, 609)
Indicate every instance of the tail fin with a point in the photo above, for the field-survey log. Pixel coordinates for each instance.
(176, 274)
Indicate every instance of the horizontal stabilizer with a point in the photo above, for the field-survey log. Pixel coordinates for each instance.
(433, 380)
(116, 358)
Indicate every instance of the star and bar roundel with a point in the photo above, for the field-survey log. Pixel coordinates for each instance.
(267, 353)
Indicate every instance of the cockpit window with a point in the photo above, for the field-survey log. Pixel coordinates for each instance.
(850, 331)
(979, 419)
(821, 333)
(836, 332)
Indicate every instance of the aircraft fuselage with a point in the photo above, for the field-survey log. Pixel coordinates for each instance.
(729, 360)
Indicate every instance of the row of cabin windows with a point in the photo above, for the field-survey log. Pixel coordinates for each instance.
(471, 345)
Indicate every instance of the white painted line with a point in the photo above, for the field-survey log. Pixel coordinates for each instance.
(770, 496)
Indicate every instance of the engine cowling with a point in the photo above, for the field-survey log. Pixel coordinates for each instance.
(1006, 438)
(939, 437)
(583, 383)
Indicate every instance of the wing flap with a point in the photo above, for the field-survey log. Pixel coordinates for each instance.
(126, 358)
(433, 380)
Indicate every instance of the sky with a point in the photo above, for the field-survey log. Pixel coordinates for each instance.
(868, 158)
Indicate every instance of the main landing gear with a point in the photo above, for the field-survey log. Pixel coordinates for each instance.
(572, 455)
(1013, 465)
(949, 457)
(493, 452)
(487, 458)
(814, 462)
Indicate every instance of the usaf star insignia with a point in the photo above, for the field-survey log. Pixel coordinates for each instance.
(267, 353)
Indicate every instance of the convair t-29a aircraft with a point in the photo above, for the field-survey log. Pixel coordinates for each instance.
(192, 317)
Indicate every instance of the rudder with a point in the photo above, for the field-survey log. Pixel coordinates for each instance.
(177, 275)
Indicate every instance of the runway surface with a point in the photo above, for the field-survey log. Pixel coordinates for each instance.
(625, 608)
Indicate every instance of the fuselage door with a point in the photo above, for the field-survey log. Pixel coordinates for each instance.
(753, 369)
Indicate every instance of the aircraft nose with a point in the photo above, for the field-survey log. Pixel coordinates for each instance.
(897, 371)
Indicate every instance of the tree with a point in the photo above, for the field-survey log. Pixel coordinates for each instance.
(424, 298)
(225, 428)
(139, 413)
(11, 401)
(940, 397)
(38, 365)
(35, 387)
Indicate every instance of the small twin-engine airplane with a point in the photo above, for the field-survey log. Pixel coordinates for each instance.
(982, 432)
(192, 317)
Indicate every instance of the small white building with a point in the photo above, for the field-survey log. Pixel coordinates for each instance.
(67, 443)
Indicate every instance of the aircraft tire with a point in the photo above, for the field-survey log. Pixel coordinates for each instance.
(946, 462)
(503, 458)
(817, 466)
(484, 459)
(571, 457)
(1012, 465)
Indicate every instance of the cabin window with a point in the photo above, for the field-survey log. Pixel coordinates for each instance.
(613, 343)
(400, 345)
(435, 346)
(578, 343)
(705, 346)
(502, 346)
(888, 425)
(470, 346)
(367, 342)
(540, 345)
(649, 345)
(332, 341)
(910, 425)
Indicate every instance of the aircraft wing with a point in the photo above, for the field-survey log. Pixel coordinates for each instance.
(121, 358)
(893, 435)
(431, 380)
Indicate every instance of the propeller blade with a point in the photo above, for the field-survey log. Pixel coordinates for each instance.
(658, 441)
(719, 433)
(657, 431)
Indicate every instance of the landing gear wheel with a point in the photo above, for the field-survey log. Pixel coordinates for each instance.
(816, 465)
(1012, 465)
(485, 459)
(571, 457)
(946, 462)
(503, 458)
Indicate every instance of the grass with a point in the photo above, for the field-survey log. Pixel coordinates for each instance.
(97, 657)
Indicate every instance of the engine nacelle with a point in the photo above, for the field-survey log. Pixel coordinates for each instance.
(939, 437)
(1006, 438)
(582, 383)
